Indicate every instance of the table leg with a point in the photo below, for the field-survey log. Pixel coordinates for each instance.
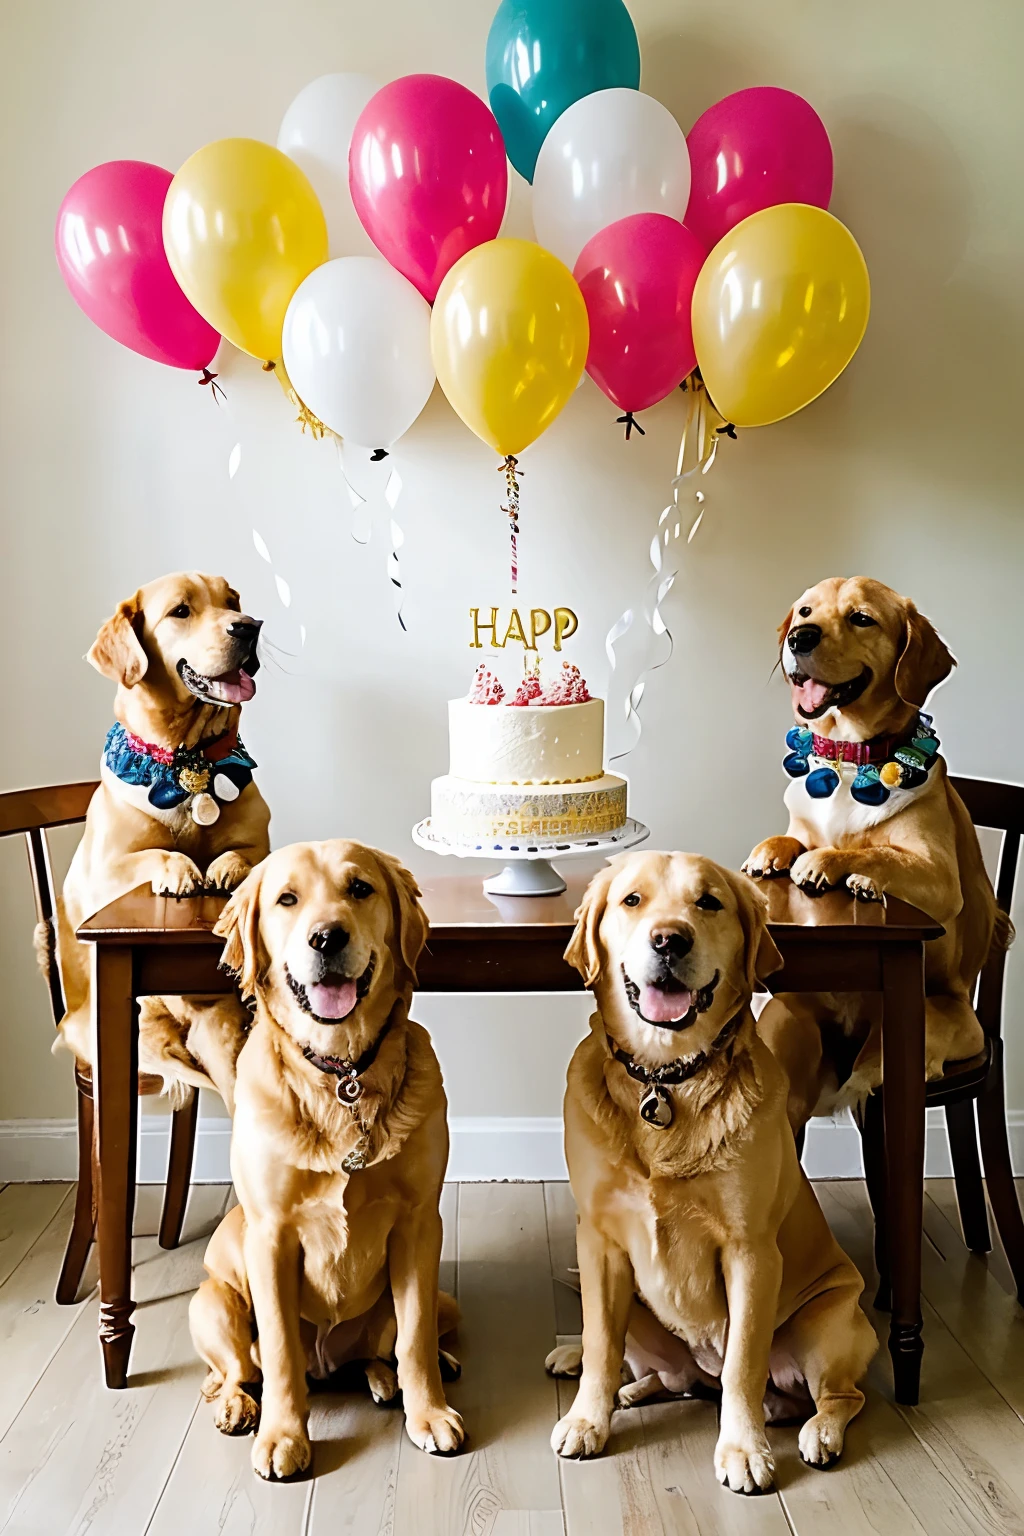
(116, 1100)
(903, 1105)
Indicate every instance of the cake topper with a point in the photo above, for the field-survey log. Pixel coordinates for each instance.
(565, 624)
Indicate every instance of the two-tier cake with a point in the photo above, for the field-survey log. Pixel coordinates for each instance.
(528, 767)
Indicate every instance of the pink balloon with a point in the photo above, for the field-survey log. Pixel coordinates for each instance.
(750, 151)
(428, 175)
(110, 251)
(637, 278)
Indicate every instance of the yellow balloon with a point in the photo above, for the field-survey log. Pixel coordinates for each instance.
(509, 335)
(242, 228)
(779, 309)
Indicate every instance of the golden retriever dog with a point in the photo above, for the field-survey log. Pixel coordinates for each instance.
(338, 1154)
(872, 809)
(704, 1256)
(176, 808)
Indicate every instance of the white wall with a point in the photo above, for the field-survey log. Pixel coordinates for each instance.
(115, 470)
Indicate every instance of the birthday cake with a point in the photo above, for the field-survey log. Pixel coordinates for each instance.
(527, 767)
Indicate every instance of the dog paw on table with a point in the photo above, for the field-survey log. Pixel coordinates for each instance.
(226, 871)
(178, 876)
(775, 856)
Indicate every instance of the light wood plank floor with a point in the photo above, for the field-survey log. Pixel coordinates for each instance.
(75, 1458)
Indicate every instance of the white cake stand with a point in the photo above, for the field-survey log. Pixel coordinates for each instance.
(529, 871)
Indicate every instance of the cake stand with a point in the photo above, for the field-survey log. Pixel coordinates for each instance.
(529, 871)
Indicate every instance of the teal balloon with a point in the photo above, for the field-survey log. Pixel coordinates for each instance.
(542, 55)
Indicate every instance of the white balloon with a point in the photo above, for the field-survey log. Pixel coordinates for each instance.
(610, 154)
(356, 347)
(316, 133)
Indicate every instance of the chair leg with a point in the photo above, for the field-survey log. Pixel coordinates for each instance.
(179, 1172)
(872, 1134)
(970, 1191)
(995, 1152)
(83, 1226)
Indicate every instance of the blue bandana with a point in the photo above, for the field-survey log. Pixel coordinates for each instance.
(221, 769)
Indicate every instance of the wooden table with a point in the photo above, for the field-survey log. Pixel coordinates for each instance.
(147, 944)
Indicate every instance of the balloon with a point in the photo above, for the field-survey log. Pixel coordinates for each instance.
(110, 252)
(637, 278)
(612, 154)
(750, 151)
(509, 337)
(779, 309)
(316, 133)
(242, 228)
(542, 55)
(428, 175)
(357, 349)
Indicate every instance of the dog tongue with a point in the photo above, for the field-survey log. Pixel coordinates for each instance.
(235, 687)
(332, 999)
(661, 1007)
(810, 694)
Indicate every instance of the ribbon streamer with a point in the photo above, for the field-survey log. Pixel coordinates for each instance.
(510, 469)
(216, 390)
(703, 431)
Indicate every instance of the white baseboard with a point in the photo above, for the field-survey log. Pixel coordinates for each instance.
(483, 1148)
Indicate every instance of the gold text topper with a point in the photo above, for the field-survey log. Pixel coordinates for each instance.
(518, 633)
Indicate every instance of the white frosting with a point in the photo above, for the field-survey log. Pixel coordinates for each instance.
(526, 744)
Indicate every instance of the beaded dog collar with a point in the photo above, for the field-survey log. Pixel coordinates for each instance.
(208, 776)
(883, 764)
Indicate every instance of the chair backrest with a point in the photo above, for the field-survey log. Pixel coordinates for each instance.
(993, 804)
(33, 812)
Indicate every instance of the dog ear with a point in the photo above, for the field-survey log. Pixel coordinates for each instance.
(582, 949)
(762, 955)
(411, 922)
(117, 651)
(925, 660)
(239, 927)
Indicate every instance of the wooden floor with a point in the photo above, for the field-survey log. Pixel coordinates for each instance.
(76, 1458)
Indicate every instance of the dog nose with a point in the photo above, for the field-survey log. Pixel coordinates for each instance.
(803, 638)
(246, 629)
(329, 941)
(671, 944)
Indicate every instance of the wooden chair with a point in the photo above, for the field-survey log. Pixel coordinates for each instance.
(971, 1092)
(33, 812)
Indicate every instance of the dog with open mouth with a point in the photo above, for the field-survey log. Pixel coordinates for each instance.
(338, 1153)
(705, 1260)
(871, 808)
(176, 809)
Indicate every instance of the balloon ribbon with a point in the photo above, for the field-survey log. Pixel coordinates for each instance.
(629, 421)
(215, 388)
(511, 472)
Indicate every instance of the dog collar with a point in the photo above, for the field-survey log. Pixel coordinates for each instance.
(348, 1089)
(656, 1105)
(207, 776)
(883, 764)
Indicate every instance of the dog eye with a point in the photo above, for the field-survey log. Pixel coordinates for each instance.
(805, 613)
(632, 900)
(287, 899)
(359, 890)
(862, 620)
(708, 903)
(181, 612)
